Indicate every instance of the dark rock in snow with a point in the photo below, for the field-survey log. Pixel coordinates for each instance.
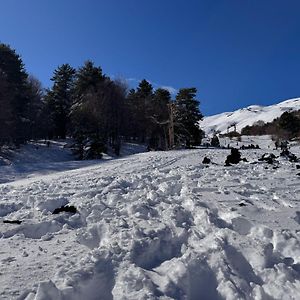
(251, 146)
(290, 156)
(206, 160)
(233, 158)
(269, 158)
(67, 208)
(12, 222)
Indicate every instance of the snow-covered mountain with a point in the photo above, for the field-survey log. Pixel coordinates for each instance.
(247, 116)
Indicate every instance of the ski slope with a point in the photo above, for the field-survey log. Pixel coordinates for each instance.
(157, 225)
(247, 116)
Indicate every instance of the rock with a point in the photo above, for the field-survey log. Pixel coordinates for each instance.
(12, 222)
(206, 160)
(67, 208)
(234, 157)
(269, 158)
(289, 155)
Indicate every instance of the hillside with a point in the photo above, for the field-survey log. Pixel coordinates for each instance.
(247, 116)
(156, 225)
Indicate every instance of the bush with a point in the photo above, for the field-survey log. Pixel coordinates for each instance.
(215, 141)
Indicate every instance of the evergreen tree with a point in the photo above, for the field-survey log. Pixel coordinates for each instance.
(215, 142)
(5, 111)
(97, 113)
(85, 111)
(290, 123)
(159, 115)
(14, 78)
(143, 98)
(88, 79)
(59, 98)
(131, 130)
(186, 118)
(36, 106)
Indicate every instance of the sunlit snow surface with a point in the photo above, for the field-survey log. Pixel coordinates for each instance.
(157, 225)
(247, 116)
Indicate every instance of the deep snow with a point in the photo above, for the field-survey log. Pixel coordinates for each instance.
(158, 225)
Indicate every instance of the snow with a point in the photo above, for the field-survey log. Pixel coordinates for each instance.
(36, 159)
(247, 116)
(157, 225)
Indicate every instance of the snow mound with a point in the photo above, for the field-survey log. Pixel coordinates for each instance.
(247, 116)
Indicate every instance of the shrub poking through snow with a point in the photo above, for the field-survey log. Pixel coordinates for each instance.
(290, 156)
(65, 208)
(234, 157)
(215, 141)
(270, 158)
(206, 160)
(251, 146)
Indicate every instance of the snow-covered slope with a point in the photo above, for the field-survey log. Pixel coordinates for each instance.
(157, 225)
(36, 159)
(247, 116)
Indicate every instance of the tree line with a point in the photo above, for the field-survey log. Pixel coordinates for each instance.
(90, 107)
(286, 127)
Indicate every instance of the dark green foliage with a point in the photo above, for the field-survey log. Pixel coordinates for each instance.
(290, 123)
(59, 99)
(143, 99)
(138, 111)
(90, 107)
(36, 108)
(98, 107)
(215, 141)
(159, 120)
(187, 117)
(89, 148)
(6, 117)
(287, 126)
(88, 79)
(14, 84)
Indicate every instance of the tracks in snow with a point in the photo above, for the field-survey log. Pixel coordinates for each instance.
(161, 224)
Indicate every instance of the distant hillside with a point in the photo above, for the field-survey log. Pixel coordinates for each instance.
(247, 116)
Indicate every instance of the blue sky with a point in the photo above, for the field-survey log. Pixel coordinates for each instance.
(236, 52)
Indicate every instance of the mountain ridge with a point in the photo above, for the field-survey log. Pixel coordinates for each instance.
(247, 116)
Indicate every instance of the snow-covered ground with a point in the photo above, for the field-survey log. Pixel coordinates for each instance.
(157, 225)
(36, 158)
(247, 116)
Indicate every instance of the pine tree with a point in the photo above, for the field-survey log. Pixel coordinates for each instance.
(130, 130)
(60, 97)
(5, 111)
(36, 106)
(97, 113)
(187, 117)
(144, 96)
(159, 115)
(88, 79)
(289, 122)
(85, 116)
(14, 77)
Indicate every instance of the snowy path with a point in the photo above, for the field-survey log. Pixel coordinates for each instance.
(154, 226)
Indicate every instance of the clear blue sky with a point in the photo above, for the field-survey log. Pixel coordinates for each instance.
(236, 52)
